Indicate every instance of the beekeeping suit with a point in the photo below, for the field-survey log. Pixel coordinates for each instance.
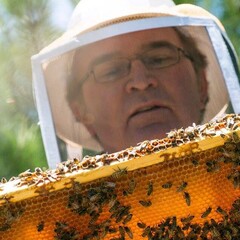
(96, 20)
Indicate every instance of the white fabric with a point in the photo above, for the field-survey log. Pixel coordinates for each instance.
(92, 12)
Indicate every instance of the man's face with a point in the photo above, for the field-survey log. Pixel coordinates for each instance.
(145, 104)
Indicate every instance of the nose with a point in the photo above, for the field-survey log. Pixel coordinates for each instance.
(140, 78)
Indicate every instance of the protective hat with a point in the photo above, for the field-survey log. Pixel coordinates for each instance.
(95, 20)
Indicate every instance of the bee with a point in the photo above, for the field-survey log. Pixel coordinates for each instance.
(195, 162)
(146, 231)
(77, 187)
(141, 225)
(235, 126)
(235, 137)
(215, 233)
(129, 232)
(12, 179)
(167, 222)
(147, 203)
(125, 193)
(127, 218)
(143, 145)
(196, 230)
(76, 161)
(187, 198)
(236, 204)
(61, 168)
(210, 133)
(230, 123)
(235, 178)
(120, 215)
(222, 135)
(212, 166)
(122, 232)
(27, 173)
(120, 212)
(234, 229)
(150, 188)
(205, 230)
(40, 226)
(112, 230)
(187, 219)
(213, 222)
(103, 233)
(221, 211)
(132, 186)
(94, 217)
(4, 227)
(3, 180)
(230, 146)
(115, 205)
(227, 235)
(172, 134)
(167, 185)
(182, 187)
(180, 234)
(186, 226)
(119, 173)
(174, 223)
(38, 170)
(206, 213)
(61, 225)
(109, 185)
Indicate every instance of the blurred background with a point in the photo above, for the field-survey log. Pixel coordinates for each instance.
(26, 26)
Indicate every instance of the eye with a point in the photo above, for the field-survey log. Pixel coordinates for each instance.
(110, 71)
(158, 61)
(155, 60)
(160, 58)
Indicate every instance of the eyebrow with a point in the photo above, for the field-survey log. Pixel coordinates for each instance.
(156, 44)
(105, 57)
(143, 48)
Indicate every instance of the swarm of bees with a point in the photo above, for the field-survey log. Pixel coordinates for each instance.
(8, 215)
(128, 204)
(173, 228)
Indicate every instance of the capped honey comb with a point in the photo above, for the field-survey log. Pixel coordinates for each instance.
(185, 186)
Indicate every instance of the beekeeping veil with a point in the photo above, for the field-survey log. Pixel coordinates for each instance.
(94, 20)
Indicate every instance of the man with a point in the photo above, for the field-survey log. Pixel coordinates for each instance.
(144, 84)
(131, 70)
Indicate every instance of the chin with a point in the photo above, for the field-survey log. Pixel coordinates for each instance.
(155, 131)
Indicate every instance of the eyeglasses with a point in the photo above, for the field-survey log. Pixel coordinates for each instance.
(154, 59)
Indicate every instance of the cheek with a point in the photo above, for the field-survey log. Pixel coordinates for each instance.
(102, 101)
(183, 85)
(183, 93)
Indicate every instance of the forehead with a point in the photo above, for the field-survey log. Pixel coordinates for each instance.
(126, 44)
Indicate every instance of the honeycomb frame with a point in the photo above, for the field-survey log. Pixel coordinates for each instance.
(185, 186)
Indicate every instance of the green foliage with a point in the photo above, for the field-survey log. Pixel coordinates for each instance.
(21, 147)
(231, 20)
(25, 30)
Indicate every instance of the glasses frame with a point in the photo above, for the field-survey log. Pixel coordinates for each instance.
(180, 53)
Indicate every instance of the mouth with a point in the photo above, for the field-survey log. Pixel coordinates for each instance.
(145, 109)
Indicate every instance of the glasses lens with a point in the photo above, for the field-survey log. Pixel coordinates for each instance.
(161, 57)
(111, 70)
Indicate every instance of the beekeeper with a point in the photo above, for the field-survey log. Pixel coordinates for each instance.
(130, 70)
